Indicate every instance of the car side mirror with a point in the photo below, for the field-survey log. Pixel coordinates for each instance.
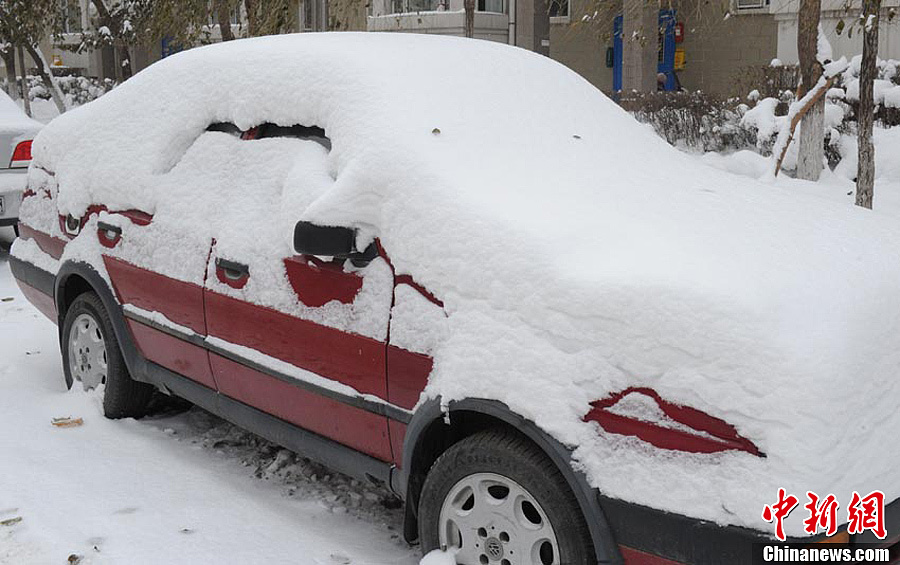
(331, 241)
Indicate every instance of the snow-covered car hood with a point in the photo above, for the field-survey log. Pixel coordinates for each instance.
(576, 253)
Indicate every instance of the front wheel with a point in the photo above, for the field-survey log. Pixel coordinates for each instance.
(495, 498)
(91, 356)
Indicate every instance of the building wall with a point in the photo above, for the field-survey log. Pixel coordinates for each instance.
(843, 44)
(718, 50)
(489, 26)
(581, 46)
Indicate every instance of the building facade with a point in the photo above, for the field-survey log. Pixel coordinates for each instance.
(707, 46)
(702, 45)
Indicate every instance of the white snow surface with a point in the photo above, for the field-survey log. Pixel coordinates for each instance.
(13, 118)
(175, 487)
(522, 197)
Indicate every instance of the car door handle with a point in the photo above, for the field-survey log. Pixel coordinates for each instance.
(108, 234)
(231, 273)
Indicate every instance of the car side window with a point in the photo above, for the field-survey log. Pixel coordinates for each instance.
(270, 130)
(225, 127)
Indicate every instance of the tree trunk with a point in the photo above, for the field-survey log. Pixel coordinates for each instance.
(812, 128)
(865, 173)
(223, 16)
(9, 61)
(640, 45)
(469, 6)
(120, 51)
(25, 99)
(47, 77)
(125, 62)
(811, 150)
(117, 63)
(251, 17)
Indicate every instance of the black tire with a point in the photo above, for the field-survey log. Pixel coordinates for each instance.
(123, 397)
(514, 457)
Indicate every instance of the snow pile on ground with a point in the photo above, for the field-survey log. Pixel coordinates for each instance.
(525, 200)
(176, 487)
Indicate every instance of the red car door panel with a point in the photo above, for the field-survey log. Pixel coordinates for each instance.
(179, 302)
(327, 380)
(354, 427)
(173, 353)
(353, 360)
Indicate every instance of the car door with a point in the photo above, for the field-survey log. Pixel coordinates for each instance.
(298, 337)
(156, 263)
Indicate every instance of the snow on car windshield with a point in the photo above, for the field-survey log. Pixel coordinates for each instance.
(575, 252)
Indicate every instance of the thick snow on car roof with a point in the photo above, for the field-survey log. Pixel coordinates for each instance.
(576, 253)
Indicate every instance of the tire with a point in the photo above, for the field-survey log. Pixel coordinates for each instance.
(92, 356)
(496, 493)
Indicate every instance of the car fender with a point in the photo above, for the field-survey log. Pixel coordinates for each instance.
(431, 411)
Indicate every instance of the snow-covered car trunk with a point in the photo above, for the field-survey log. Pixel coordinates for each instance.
(575, 254)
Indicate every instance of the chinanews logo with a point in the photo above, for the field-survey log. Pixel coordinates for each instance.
(863, 514)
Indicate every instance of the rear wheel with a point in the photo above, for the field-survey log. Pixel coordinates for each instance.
(91, 356)
(495, 498)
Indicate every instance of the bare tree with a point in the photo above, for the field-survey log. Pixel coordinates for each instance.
(223, 16)
(46, 75)
(113, 30)
(268, 17)
(640, 45)
(25, 99)
(469, 6)
(23, 23)
(865, 174)
(812, 128)
(8, 52)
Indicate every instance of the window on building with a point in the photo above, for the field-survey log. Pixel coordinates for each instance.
(559, 8)
(403, 6)
(70, 16)
(491, 6)
(751, 4)
(234, 16)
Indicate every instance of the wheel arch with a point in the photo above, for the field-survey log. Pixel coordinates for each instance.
(76, 277)
(432, 430)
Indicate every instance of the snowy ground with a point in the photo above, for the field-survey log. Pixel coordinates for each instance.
(838, 185)
(177, 487)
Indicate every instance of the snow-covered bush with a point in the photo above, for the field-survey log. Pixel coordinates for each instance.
(771, 99)
(769, 81)
(886, 90)
(78, 90)
(693, 121)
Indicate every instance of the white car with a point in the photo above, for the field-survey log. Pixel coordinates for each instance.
(457, 268)
(17, 131)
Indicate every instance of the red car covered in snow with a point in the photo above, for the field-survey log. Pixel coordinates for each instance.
(269, 250)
